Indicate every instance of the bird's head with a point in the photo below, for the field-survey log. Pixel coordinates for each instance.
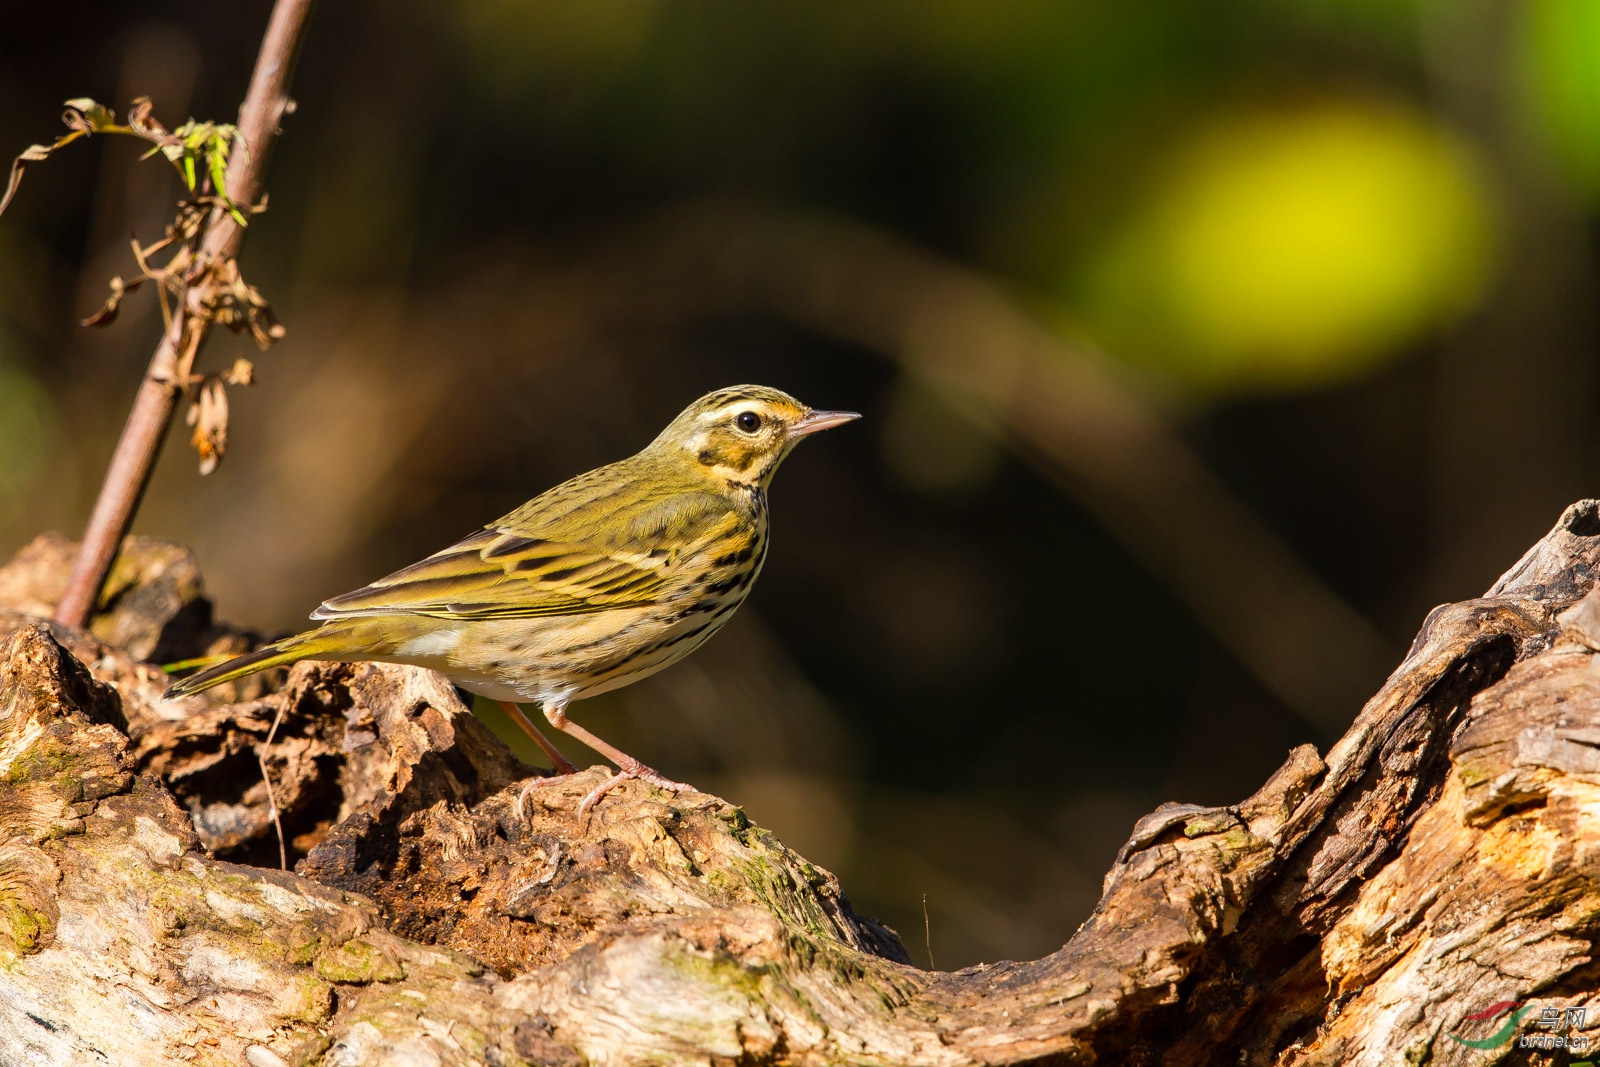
(740, 435)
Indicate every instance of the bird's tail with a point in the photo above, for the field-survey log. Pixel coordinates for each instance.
(313, 644)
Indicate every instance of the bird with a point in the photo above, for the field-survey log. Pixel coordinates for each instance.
(603, 580)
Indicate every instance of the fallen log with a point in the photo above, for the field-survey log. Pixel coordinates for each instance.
(1437, 863)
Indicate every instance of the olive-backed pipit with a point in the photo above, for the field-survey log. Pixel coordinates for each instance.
(594, 584)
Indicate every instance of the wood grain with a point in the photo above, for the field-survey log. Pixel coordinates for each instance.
(1440, 858)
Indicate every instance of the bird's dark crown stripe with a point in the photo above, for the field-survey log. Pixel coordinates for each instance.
(753, 393)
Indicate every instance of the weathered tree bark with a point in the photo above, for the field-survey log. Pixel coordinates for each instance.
(1438, 860)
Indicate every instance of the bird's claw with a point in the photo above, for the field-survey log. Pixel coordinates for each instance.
(629, 769)
(538, 783)
(635, 769)
(599, 791)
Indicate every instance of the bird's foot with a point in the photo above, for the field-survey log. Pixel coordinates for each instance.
(631, 768)
(599, 791)
(538, 783)
(660, 781)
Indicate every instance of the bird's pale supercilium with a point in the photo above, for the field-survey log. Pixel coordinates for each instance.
(601, 581)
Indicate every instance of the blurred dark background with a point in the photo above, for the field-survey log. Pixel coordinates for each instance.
(1203, 348)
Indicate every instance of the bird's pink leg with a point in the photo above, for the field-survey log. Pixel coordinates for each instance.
(627, 766)
(562, 765)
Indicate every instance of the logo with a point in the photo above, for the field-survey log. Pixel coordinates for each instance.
(1550, 1019)
(1500, 1036)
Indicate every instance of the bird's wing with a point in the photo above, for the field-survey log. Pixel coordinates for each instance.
(508, 571)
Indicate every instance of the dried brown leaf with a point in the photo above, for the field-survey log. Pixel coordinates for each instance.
(188, 221)
(82, 117)
(86, 115)
(208, 414)
(108, 313)
(142, 122)
(32, 154)
(213, 292)
(232, 302)
(243, 372)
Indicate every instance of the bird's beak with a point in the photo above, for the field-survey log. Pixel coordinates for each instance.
(815, 421)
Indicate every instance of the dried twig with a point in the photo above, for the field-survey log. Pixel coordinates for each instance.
(927, 932)
(266, 780)
(225, 299)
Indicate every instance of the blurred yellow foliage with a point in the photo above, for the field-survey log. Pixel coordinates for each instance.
(1294, 248)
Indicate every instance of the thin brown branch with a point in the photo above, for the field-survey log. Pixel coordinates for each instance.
(265, 104)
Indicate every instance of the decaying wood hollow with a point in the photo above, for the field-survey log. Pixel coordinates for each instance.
(1440, 859)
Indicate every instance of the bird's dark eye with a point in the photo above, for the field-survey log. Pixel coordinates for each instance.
(748, 421)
